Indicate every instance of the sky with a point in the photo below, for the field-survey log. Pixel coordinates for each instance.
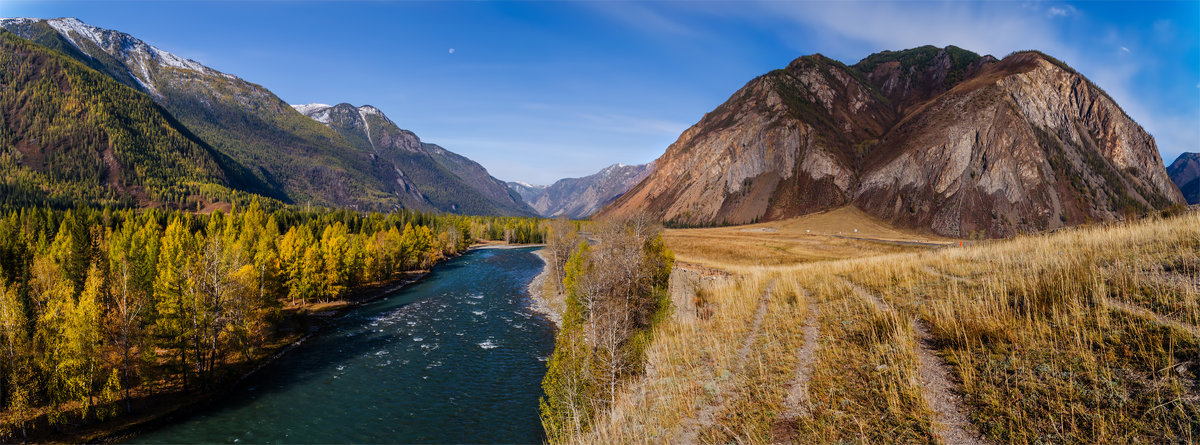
(541, 90)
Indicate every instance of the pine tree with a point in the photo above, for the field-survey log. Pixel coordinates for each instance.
(173, 294)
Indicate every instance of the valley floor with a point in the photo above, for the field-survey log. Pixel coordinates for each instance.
(787, 333)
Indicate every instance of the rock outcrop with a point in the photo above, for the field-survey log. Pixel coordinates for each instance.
(928, 138)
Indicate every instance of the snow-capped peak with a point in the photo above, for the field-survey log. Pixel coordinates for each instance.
(106, 39)
(527, 185)
(305, 109)
(318, 112)
(18, 20)
(141, 58)
(367, 109)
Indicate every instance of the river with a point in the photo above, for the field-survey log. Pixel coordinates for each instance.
(457, 357)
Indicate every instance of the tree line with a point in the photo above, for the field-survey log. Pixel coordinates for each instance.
(616, 289)
(100, 306)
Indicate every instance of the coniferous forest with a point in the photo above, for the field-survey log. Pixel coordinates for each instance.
(101, 306)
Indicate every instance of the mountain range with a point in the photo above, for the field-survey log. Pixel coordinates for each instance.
(581, 197)
(260, 144)
(938, 139)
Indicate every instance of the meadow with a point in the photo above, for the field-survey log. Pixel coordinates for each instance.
(1083, 335)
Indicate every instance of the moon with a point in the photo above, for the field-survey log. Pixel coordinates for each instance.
(451, 50)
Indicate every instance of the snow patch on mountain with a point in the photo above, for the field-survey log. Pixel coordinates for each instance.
(142, 59)
(308, 108)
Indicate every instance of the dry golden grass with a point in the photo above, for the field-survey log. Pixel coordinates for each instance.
(818, 237)
(1085, 335)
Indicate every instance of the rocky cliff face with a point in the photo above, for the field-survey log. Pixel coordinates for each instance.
(1026, 145)
(1185, 172)
(786, 144)
(581, 197)
(427, 176)
(931, 138)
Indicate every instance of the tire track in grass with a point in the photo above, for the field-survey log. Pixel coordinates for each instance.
(950, 419)
(706, 414)
(796, 402)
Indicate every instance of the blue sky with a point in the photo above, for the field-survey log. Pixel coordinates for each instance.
(538, 91)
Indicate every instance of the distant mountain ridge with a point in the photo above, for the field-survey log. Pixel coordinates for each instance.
(581, 197)
(429, 176)
(939, 139)
(1185, 172)
(283, 153)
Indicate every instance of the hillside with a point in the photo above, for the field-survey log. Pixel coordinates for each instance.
(428, 176)
(940, 139)
(70, 135)
(579, 198)
(286, 155)
(1185, 172)
(1086, 335)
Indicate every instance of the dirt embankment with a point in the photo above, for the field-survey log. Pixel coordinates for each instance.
(689, 288)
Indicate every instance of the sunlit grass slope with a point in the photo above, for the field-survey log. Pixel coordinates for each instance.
(842, 233)
(1087, 335)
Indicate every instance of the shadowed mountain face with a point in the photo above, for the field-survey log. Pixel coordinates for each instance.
(1185, 172)
(940, 139)
(285, 154)
(581, 197)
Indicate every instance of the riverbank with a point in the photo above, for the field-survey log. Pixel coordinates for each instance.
(457, 349)
(153, 409)
(546, 299)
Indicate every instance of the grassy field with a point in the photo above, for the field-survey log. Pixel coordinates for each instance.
(836, 234)
(1086, 335)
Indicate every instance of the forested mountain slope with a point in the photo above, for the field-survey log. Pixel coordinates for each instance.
(287, 155)
(71, 135)
(430, 177)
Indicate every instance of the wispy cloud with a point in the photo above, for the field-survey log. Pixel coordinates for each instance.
(980, 27)
(1055, 11)
(643, 17)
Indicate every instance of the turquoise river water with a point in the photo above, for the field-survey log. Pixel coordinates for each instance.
(457, 357)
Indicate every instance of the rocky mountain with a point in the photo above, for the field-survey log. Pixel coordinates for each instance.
(581, 197)
(1185, 172)
(71, 135)
(931, 138)
(527, 191)
(292, 157)
(428, 176)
